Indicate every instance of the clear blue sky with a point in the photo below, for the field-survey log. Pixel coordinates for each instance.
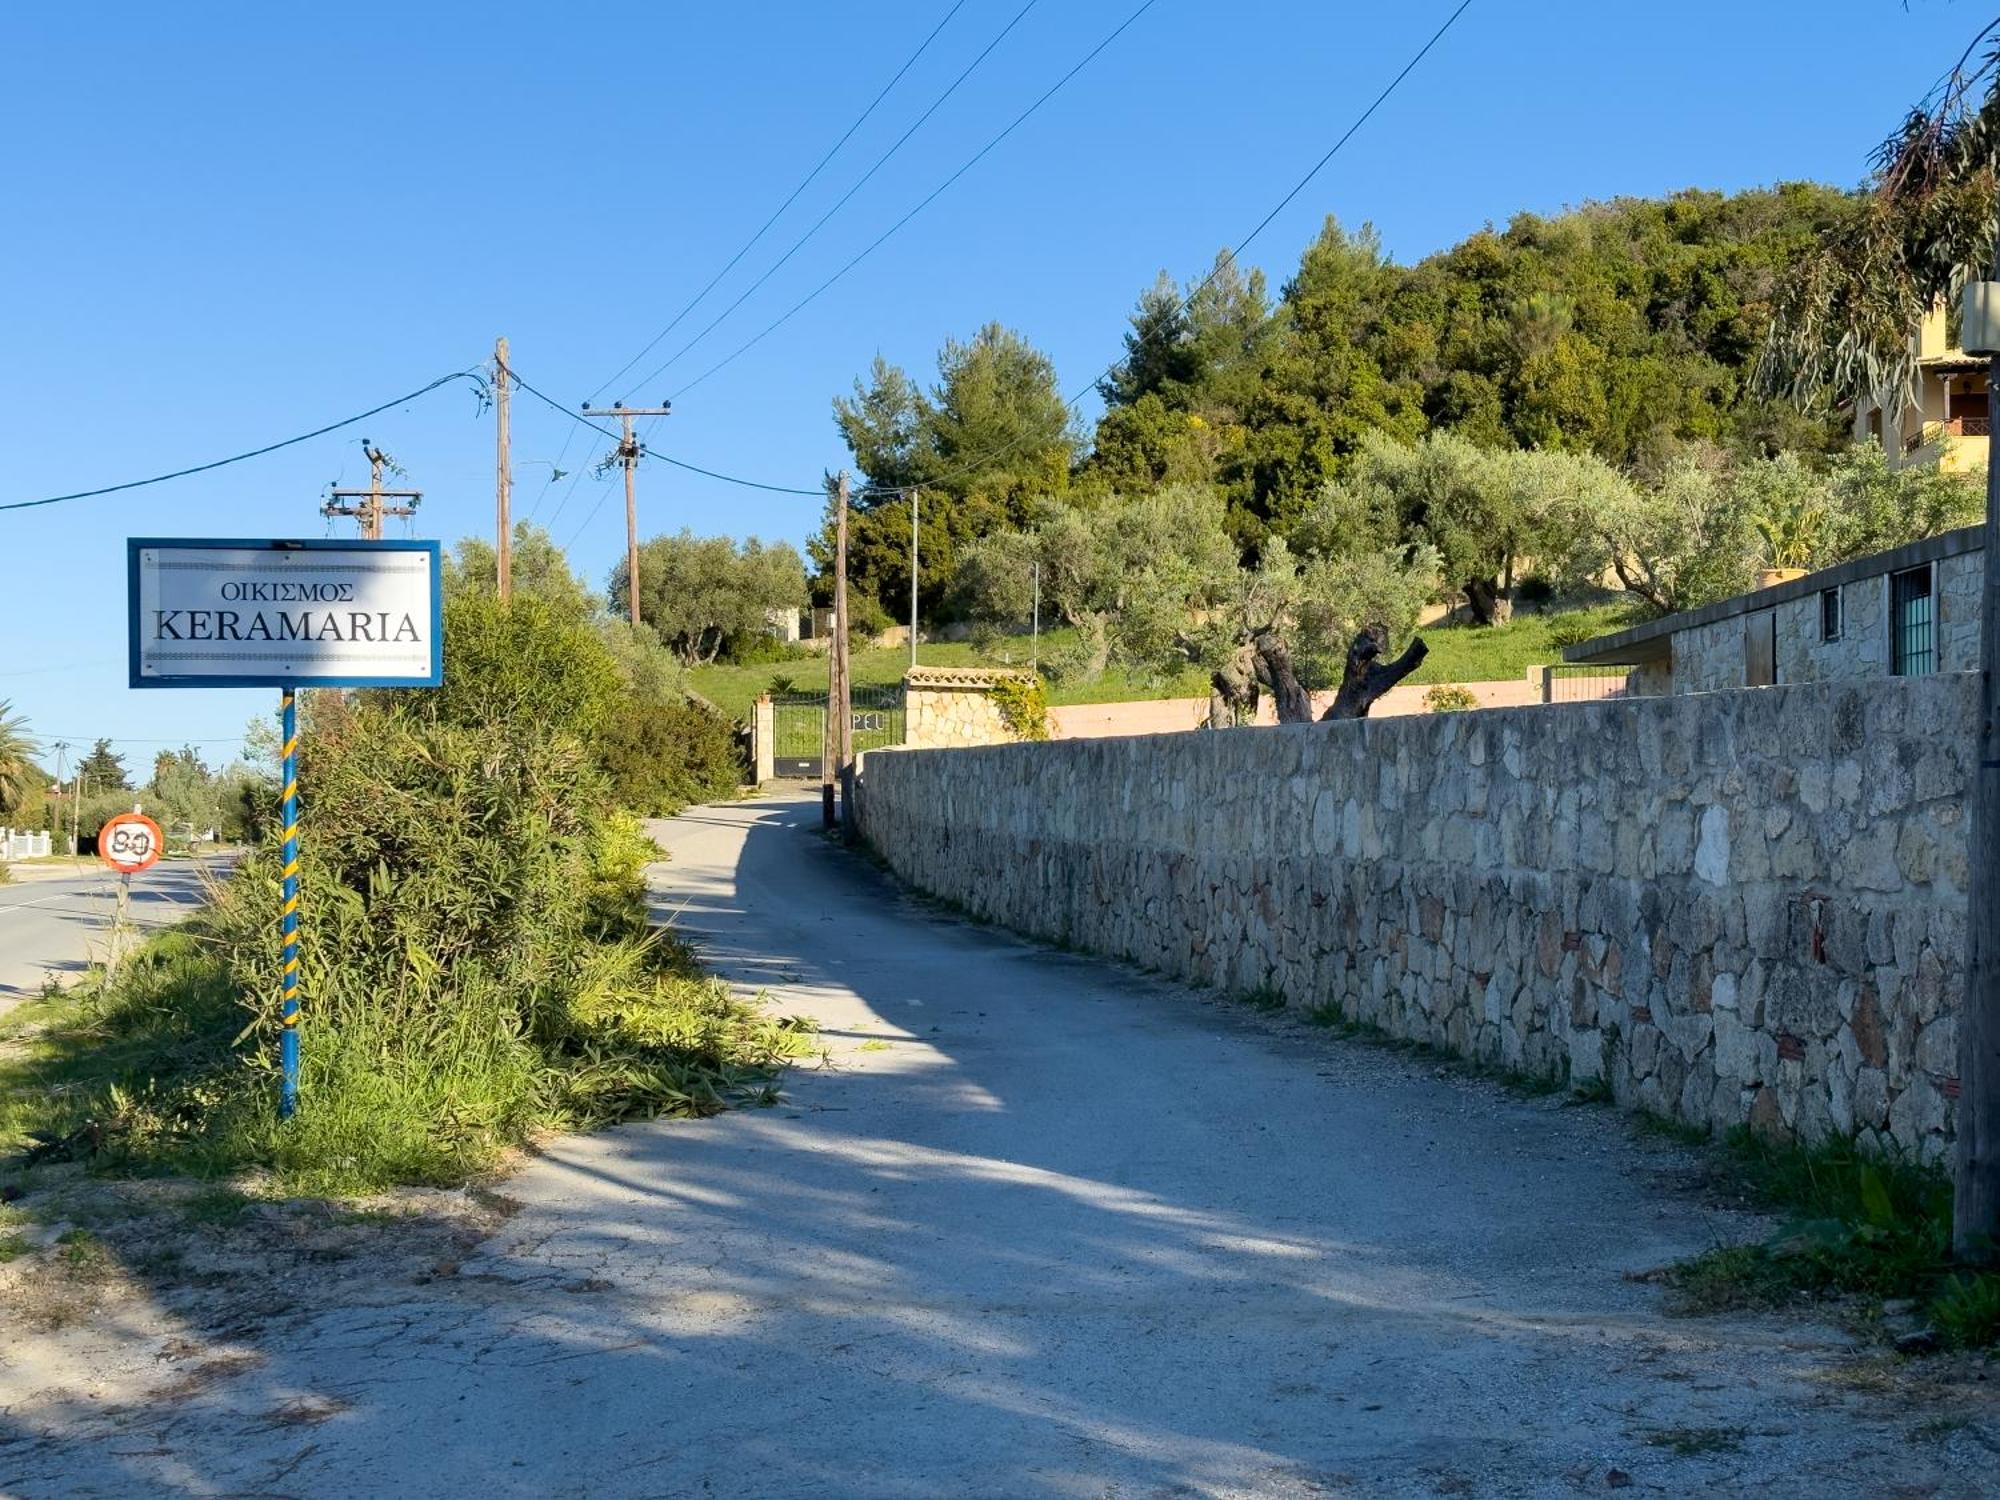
(225, 224)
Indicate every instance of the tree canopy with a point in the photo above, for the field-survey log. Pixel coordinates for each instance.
(991, 434)
(17, 758)
(103, 769)
(696, 592)
(540, 570)
(1624, 334)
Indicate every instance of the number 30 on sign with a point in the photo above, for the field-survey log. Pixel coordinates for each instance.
(129, 843)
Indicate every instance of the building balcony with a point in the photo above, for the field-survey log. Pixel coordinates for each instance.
(1957, 446)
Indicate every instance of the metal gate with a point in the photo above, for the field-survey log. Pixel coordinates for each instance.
(798, 726)
(1591, 683)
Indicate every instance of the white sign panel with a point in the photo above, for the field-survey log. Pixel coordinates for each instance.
(208, 613)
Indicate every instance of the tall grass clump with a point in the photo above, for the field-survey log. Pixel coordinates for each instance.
(1853, 1226)
(477, 964)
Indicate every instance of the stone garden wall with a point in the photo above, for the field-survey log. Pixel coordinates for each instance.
(1729, 907)
(953, 707)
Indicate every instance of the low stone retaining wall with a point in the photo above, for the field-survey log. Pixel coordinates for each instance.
(1729, 907)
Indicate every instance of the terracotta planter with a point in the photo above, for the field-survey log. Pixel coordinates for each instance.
(1768, 577)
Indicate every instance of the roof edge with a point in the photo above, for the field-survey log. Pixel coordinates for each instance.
(1610, 648)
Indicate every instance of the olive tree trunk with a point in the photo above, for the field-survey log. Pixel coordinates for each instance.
(1366, 678)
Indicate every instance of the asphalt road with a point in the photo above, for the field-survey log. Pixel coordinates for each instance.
(1048, 1230)
(53, 927)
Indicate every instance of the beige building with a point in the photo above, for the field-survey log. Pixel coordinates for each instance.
(1946, 422)
(1907, 612)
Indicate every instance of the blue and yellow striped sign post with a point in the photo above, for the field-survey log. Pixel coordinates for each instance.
(288, 1005)
(215, 612)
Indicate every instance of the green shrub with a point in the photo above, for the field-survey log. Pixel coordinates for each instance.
(752, 648)
(476, 964)
(661, 756)
(1573, 629)
(866, 618)
(1450, 698)
(1024, 707)
(522, 664)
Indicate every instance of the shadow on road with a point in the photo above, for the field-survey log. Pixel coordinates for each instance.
(1048, 1229)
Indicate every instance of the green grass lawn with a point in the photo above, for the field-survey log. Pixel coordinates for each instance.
(1489, 653)
(1459, 653)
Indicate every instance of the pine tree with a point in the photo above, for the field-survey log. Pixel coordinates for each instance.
(1160, 354)
(103, 771)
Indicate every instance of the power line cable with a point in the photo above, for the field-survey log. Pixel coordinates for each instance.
(556, 472)
(124, 739)
(1229, 259)
(791, 198)
(479, 382)
(304, 437)
(750, 484)
(924, 203)
(1347, 135)
(818, 224)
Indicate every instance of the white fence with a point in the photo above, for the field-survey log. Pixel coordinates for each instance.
(15, 844)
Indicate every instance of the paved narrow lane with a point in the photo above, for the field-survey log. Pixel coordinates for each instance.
(53, 927)
(1049, 1229)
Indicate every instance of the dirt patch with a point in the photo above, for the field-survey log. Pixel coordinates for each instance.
(155, 1291)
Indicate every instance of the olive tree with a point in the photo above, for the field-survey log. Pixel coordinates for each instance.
(1157, 583)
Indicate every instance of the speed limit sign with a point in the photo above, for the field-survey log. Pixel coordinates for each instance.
(130, 843)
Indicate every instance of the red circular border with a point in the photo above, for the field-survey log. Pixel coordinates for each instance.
(159, 842)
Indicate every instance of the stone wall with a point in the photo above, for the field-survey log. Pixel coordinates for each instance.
(953, 707)
(1730, 907)
(1708, 658)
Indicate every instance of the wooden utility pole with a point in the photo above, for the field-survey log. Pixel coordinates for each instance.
(62, 765)
(914, 498)
(840, 630)
(829, 747)
(503, 478)
(838, 747)
(628, 453)
(1976, 1178)
(369, 509)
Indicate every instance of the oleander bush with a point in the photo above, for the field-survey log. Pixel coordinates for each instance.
(477, 961)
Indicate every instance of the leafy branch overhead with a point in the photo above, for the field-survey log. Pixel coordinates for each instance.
(1842, 326)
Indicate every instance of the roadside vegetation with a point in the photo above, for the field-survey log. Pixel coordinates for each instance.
(1558, 412)
(1460, 651)
(478, 968)
(1853, 1227)
(1552, 429)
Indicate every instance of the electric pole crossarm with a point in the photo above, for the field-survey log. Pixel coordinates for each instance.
(370, 510)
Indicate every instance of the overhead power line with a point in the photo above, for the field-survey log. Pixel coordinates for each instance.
(1345, 136)
(862, 181)
(236, 458)
(125, 739)
(1230, 259)
(791, 197)
(922, 204)
(749, 484)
